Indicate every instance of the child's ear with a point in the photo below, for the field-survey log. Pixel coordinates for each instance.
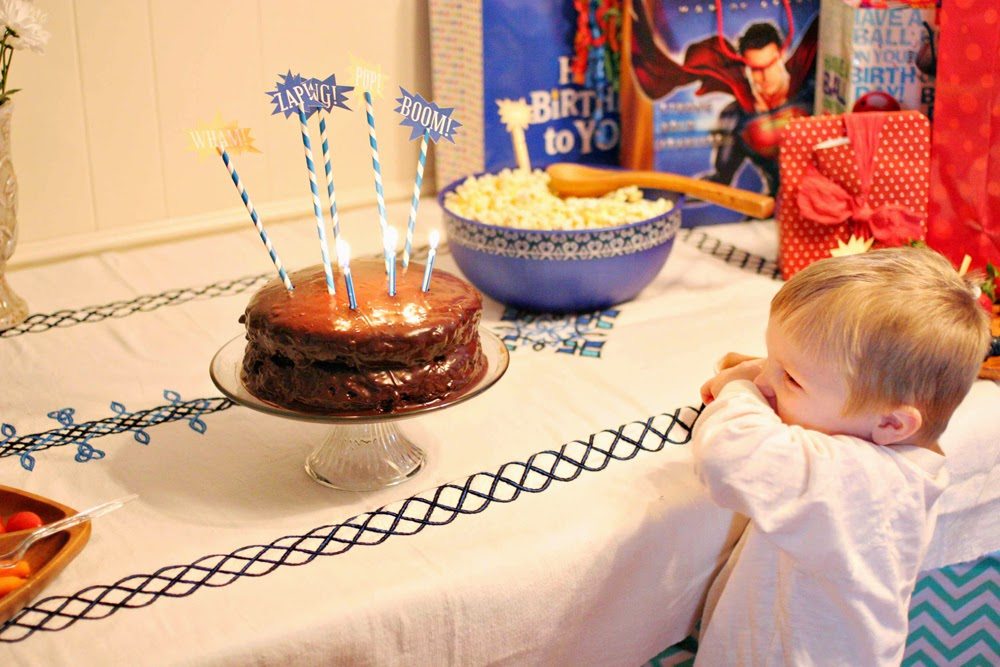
(897, 425)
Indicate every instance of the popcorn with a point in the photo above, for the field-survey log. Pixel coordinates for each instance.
(522, 199)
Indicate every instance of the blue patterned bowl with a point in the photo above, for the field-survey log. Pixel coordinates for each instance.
(576, 270)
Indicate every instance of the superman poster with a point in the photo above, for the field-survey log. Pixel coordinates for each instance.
(708, 86)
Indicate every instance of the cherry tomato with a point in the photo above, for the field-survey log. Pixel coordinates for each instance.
(23, 521)
(10, 583)
(21, 568)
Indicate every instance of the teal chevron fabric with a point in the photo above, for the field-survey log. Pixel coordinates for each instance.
(955, 616)
(954, 620)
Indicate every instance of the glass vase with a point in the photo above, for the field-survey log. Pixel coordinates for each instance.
(13, 309)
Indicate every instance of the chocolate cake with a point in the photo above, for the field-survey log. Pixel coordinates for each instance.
(308, 351)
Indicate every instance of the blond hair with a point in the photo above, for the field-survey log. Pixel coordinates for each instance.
(900, 323)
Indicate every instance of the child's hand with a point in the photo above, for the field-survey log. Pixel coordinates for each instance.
(731, 359)
(733, 366)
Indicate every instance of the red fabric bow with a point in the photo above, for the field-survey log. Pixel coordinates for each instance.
(825, 202)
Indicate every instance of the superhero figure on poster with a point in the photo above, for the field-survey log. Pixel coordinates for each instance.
(770, 85)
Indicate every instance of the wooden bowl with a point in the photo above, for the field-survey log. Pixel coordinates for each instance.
(47, 557)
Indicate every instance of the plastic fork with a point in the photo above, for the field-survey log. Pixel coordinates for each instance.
(10, 558)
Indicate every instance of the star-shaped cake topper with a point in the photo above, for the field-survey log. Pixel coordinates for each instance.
(514, 114)
(328, 93)
(423, 116)
(367, 77)
(206, 138)
(291, 92)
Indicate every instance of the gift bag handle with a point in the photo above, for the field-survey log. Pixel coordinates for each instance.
(724, 45)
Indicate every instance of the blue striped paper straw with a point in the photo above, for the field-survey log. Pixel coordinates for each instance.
(324, 250)
(376, 166)
(255, 218)
(415, 202)
(329, 179)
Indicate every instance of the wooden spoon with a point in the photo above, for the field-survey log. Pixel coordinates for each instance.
(579, 180)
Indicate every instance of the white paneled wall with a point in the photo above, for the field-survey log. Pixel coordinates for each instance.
(99, 129)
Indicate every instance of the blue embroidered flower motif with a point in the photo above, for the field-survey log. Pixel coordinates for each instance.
(195, 422)
(84, 450)
(579, 335)
(140, 434)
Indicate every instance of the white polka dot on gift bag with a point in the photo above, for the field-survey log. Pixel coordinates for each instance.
(899, 179)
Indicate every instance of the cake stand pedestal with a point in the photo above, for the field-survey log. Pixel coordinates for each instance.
(364, 457)
(364, 451)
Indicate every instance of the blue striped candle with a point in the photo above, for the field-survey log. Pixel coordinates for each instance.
(429, 267)
(415, 202)
(390, 238)
(256, 219)
(376, 166)
(329, 178)
(344, 258)
(324, 250)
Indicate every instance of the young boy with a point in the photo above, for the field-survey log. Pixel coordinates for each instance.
(829, 447)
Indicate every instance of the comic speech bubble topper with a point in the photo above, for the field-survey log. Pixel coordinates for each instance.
(367, 77)
(328, 93)
(207, 138)
(423, 116)
(292, 92)
(225, 138)
(426, 120)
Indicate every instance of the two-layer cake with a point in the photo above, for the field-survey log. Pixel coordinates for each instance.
(308, 350)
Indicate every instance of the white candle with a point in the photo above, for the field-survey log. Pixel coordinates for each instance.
(435, 237)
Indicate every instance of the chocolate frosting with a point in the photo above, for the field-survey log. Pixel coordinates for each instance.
(308, 350)
(412, 326)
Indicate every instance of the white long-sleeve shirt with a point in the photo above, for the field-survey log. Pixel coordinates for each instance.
(824, 570)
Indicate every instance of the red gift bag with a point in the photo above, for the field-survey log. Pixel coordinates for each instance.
(864, 175)
(965, 156)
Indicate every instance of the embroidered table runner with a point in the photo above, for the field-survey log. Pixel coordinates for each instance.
(557, 517)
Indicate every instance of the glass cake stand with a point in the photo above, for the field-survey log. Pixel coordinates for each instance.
(364, 451)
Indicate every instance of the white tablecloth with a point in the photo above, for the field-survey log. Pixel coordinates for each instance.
(590, 559)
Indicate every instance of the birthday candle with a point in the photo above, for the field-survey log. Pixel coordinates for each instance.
(376, 166)
(344, 258)
(426, 285)
(389, 240)
(329, 178)
(317, 210)
(415, 202)
(256, 220)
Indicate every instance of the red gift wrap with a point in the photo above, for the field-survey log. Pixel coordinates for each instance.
(858, 174)
(965, 156)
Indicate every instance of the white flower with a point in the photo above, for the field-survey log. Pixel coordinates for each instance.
(24, 21)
